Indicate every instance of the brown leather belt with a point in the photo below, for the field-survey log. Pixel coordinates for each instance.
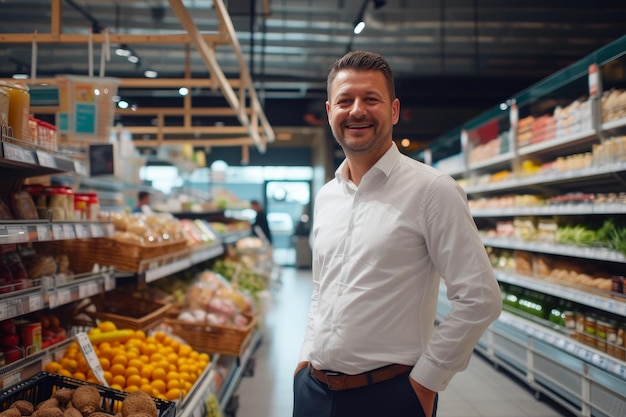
(337, 381)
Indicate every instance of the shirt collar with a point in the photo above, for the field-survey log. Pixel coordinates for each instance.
(385, 164)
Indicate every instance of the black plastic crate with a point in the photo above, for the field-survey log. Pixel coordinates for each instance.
(40, 387)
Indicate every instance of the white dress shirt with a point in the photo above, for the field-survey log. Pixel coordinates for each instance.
(379, 251)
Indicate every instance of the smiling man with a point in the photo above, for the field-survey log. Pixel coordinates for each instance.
(386, 230)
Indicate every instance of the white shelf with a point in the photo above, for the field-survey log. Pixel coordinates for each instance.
(552, 210)
(614, 124)
(496, 160)
(604, 303)
(560, 142)
(22, 231)
(599, 254)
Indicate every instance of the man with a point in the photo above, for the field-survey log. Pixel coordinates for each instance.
(143, 202)
(386, 230)
(261, 221)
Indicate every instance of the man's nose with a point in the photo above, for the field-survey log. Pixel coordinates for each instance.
(358, 108)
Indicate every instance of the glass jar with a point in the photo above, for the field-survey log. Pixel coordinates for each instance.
(19, 109)
(93, 206)
(56, 197)
(81, 204)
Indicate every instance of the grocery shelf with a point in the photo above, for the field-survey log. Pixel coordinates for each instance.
(586, 135)
(552, 210)
(612, 124)
(580, 296)
(582, 379)
(606, 170)
(24, 159)
(60, 290)
(17, 303)
(22, 231)
(599, 254)
(30, 365)
(495, 161)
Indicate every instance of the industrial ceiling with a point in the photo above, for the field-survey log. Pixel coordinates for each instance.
(452, 58)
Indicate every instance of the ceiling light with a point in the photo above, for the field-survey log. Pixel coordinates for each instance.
(122, 104)
(122, 50)
(358, 27)
(151, 74)
(20, 76)
(405, 142)
(133, 58)
(183, 91)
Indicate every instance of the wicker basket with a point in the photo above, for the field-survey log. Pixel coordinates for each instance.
(128, 312)
(204, 337)
(124, 256)
(42, 386)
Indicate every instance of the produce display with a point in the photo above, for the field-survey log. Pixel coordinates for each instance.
(157, 364)
(143, 229)
(83, 401)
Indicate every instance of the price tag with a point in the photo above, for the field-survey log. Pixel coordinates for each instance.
(43, 232)
(96, 230)
(109, 282)
(81, 231)
(80, 168)
(110, 229)
(92, 358)
(52, 300)
(68, 231)
(35, 302)
(46, 160)
(87, 289)
(15, 153)
(594, 80)
(57, 232)
(11, 379)
(64, 296)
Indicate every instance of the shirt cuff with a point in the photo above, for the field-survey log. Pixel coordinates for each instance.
(429, 375)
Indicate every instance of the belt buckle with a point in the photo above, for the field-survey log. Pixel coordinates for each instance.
(341, 380)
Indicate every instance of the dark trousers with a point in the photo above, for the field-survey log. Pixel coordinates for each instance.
(392, 398)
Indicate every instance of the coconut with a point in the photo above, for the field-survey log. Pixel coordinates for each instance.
(49, 412)
(138, 402)
(86, 399)
(25, 408)
(11, 412)
(72, 412)
(64, 395)
(51, 402)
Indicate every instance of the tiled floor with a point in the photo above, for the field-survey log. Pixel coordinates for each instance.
(480, 391)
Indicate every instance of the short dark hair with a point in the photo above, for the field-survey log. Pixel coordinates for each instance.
(362, 61)
(143, 194)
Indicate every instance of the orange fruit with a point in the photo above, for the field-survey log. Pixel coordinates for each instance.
(108, 377)
(184, 350)
(159, 373)
(156, 357)
(139, 334)
(53, 367)
(159, 336)
(64, 372)
(131, 370)
(106, 352)
(173, 394)
(105, 363)
(69, 364)
(149, 349)
(119, 359)
(146, 371)
(147, 388)
(133, 380)
(131, 388)
(116, 387)
(107, 326)
(159, 385)
(136, 363)
(117, 369)
(174, 383)
(119, 379)
(79, 375)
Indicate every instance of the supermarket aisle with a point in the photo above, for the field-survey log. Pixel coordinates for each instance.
(480, 391)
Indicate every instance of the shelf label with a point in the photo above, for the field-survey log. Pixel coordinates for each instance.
(87, 289)
(92, 358)
(594, 80)
(81, 231)
(64, 296)
(43, 232)
(35, 303)
(57, 232)
(80, 168)
(68, 231)
(109, 281)
(9, 309)
(16, 153)
(11, 379)
(96, 230)
(46, 160)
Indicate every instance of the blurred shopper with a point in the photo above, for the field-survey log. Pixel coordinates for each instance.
(260, 221)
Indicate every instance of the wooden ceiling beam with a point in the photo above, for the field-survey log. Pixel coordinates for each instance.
(196, 142)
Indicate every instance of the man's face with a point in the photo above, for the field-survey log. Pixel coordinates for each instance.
(360, 111)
